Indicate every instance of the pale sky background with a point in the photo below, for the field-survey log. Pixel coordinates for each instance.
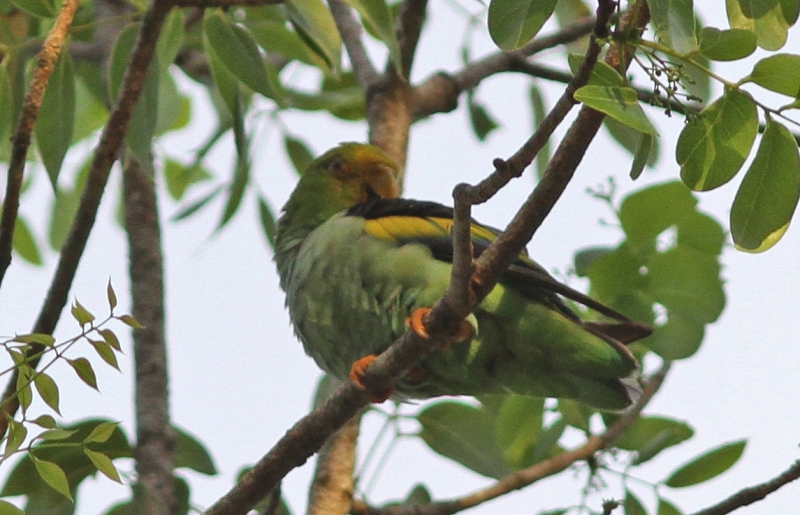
(239, 378)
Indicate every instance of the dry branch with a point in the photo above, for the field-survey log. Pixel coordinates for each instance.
(48, 56)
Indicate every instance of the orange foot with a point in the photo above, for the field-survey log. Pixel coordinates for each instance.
(416, 323)
(357, 372)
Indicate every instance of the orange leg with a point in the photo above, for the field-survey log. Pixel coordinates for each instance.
(357, 372)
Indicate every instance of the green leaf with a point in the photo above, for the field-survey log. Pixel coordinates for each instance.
(6, 508)
(276, 38)
(702, 233)
(267, 220)
(225, 81)
(6, 102)
(38, 338)
(56, 120)
(55, 434)
(585, 257)
(714, 144)
(620, 103)
(649, 212)
(643, 151)
(16, 435)
(45, 421)
(512, 23)
(111, 296)
(142, 126)
(241, 177)
(482, 122)
(171, 39)
(197, 205)
(101, 432)
(48, 389)
(633, 506)
(84, 369)
(546, 446)
(539, 112)
(130, 322)
(768, 195)
(378, 16)
(190, 453)
(111, 338)
(708, 465)
(726, 45)
(678, 339)
(766, 18)
(53, 475)
(23, 388)
(648, 436)
(175, 108)
(238, 52)
(65, 206)
(686, 281)
(103, 464)
(779, 73)
(633, 141)
(674, 22)
(667, 508)
(575, 414)
(298, 153)
(603, 74)
(42, 8)
(24, 242)
(517, 426)
(341, 96)
(314, 22)
(81, 314)
(106, 352)
(179, 177)
(464, 434)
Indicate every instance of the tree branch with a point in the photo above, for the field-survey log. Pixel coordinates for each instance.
(409, 27)
(440, 92)
(155, 438)
(350, 30)
(111, 140)
(332, 489)
(754, 493)
(48, 56)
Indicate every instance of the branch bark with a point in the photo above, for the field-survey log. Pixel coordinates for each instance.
(754, 493)
(350, 30)
(105, 155)
(155, 438)
(48, 56)
(332, 489)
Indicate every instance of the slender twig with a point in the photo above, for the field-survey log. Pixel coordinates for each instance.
(27, 120)
(155, 438)
(351, 32)
(409, 27)
(465, 196)
(105, 155)
(754, 493)
(528, 476)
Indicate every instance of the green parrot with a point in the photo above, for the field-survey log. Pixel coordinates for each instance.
(356, 262)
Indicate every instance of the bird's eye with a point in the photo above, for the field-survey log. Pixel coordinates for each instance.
(337, 168)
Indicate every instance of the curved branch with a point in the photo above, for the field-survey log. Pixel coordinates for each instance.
(440, 92)
(105, 155)
(350, 30)
(48, 56)
(409, 27)
(331, 491)
(754, 493)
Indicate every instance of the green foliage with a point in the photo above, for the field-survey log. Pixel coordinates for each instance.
(707, 466)
(512, 23)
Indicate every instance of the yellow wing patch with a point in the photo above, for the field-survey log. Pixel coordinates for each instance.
(395, 228)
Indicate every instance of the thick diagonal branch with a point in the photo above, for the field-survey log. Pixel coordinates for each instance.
(105, 155)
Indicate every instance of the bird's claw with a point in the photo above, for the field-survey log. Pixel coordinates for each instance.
(416, 323)
(357, 371)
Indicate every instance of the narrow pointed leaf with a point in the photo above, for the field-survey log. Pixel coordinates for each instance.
(24, 243)
(633, 506)
(708, 465)
(314, 21)
(105, 351)
(714, 144)
(103, 464)
(298, 153)
(768, 195)
(42, 8)
(643, 151)
(84, 369)
(48, 389)
(111, 296)
(667, 508)
(56, 120)
(378, 16)
(267, 220)
(6, 508)
(111, 339)
(81, 314)
(16, 435)
(191, 453)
